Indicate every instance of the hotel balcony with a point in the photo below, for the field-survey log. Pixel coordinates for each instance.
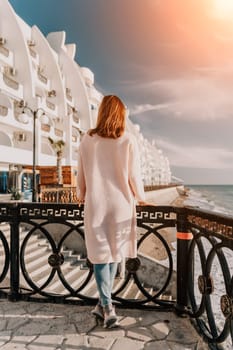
(51, 106)
(75, 135)
(75, 117)
(34, 55)
(75, 114)
(10, 84)
(6, 56)
(45, 128)
(69, 96)
(3, 111)
(58, 132)
(69, 108)
(42, 79)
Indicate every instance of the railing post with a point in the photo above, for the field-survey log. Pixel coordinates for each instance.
(183, 243)
(14, 254)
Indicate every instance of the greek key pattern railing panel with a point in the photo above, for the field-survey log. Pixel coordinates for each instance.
(155, 214)
(56, 211)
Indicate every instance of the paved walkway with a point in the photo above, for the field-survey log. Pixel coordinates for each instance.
(35, 326)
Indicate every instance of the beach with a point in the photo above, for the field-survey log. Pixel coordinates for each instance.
(174, 196)
(167, 196)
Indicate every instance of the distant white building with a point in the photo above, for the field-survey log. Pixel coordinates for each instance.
(40, 73)
(155, 166)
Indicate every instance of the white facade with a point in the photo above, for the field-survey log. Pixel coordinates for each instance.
(41, 73)
(155, 166)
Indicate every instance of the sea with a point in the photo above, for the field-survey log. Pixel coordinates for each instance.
(217, 198)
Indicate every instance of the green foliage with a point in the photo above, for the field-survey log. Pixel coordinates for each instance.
(15, 194)
(58, 146)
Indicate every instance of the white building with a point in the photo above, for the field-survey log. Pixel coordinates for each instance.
(40, 73)
(155, 166)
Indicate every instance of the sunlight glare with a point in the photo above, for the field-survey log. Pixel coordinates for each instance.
(223, 8)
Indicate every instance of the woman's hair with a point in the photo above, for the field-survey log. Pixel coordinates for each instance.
(111, 118)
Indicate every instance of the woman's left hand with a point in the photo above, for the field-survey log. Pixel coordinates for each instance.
(143, 203)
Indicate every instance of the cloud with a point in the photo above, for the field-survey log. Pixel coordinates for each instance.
(200, 97)
(196, 156)
(139, 109)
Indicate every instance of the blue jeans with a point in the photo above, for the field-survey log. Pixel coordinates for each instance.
(104, 276)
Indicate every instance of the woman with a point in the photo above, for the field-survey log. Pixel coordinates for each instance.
(109, 181)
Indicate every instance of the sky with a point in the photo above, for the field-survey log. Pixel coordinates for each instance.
(171, 61)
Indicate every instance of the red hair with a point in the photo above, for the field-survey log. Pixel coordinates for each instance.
(111, 118)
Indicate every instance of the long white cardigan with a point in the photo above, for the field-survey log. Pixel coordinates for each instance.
(109, 180)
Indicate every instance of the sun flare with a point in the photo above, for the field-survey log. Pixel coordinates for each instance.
(223, 8)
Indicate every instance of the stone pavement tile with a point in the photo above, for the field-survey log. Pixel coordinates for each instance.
(32, 308)
(44, 326)
(71, 341)
(3, 323)
(180, 322)
(140, 333)
(16, 322)
(128, 322)
(150, 317)
(160, 330)
(58, 327)
(13, 346)
(6, 339)
(83, 320)
(12, 309)
(107, 333)
(17, 343)
(5, 336)
(128, 344)
(101, 343)
(157, 345)
(179, 346)
(184, 335)
(46, 342)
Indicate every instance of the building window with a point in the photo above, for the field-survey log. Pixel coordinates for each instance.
(4, 176)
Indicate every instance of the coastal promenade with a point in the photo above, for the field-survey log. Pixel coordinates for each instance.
(40, 326)
(36, 326)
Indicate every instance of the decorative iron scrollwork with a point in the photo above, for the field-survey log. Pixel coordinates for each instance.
(133, 264)
(226, 304)
(205, 284)
(212, 225)
(56, 259)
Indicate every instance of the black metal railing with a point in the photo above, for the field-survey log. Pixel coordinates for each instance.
(210, 278)
(184, 263)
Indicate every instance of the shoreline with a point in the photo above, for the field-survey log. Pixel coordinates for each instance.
(169, 195)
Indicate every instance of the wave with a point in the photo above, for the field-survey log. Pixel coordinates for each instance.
(213, 198)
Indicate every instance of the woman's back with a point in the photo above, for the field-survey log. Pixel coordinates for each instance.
(106, 164)
(112, 176)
